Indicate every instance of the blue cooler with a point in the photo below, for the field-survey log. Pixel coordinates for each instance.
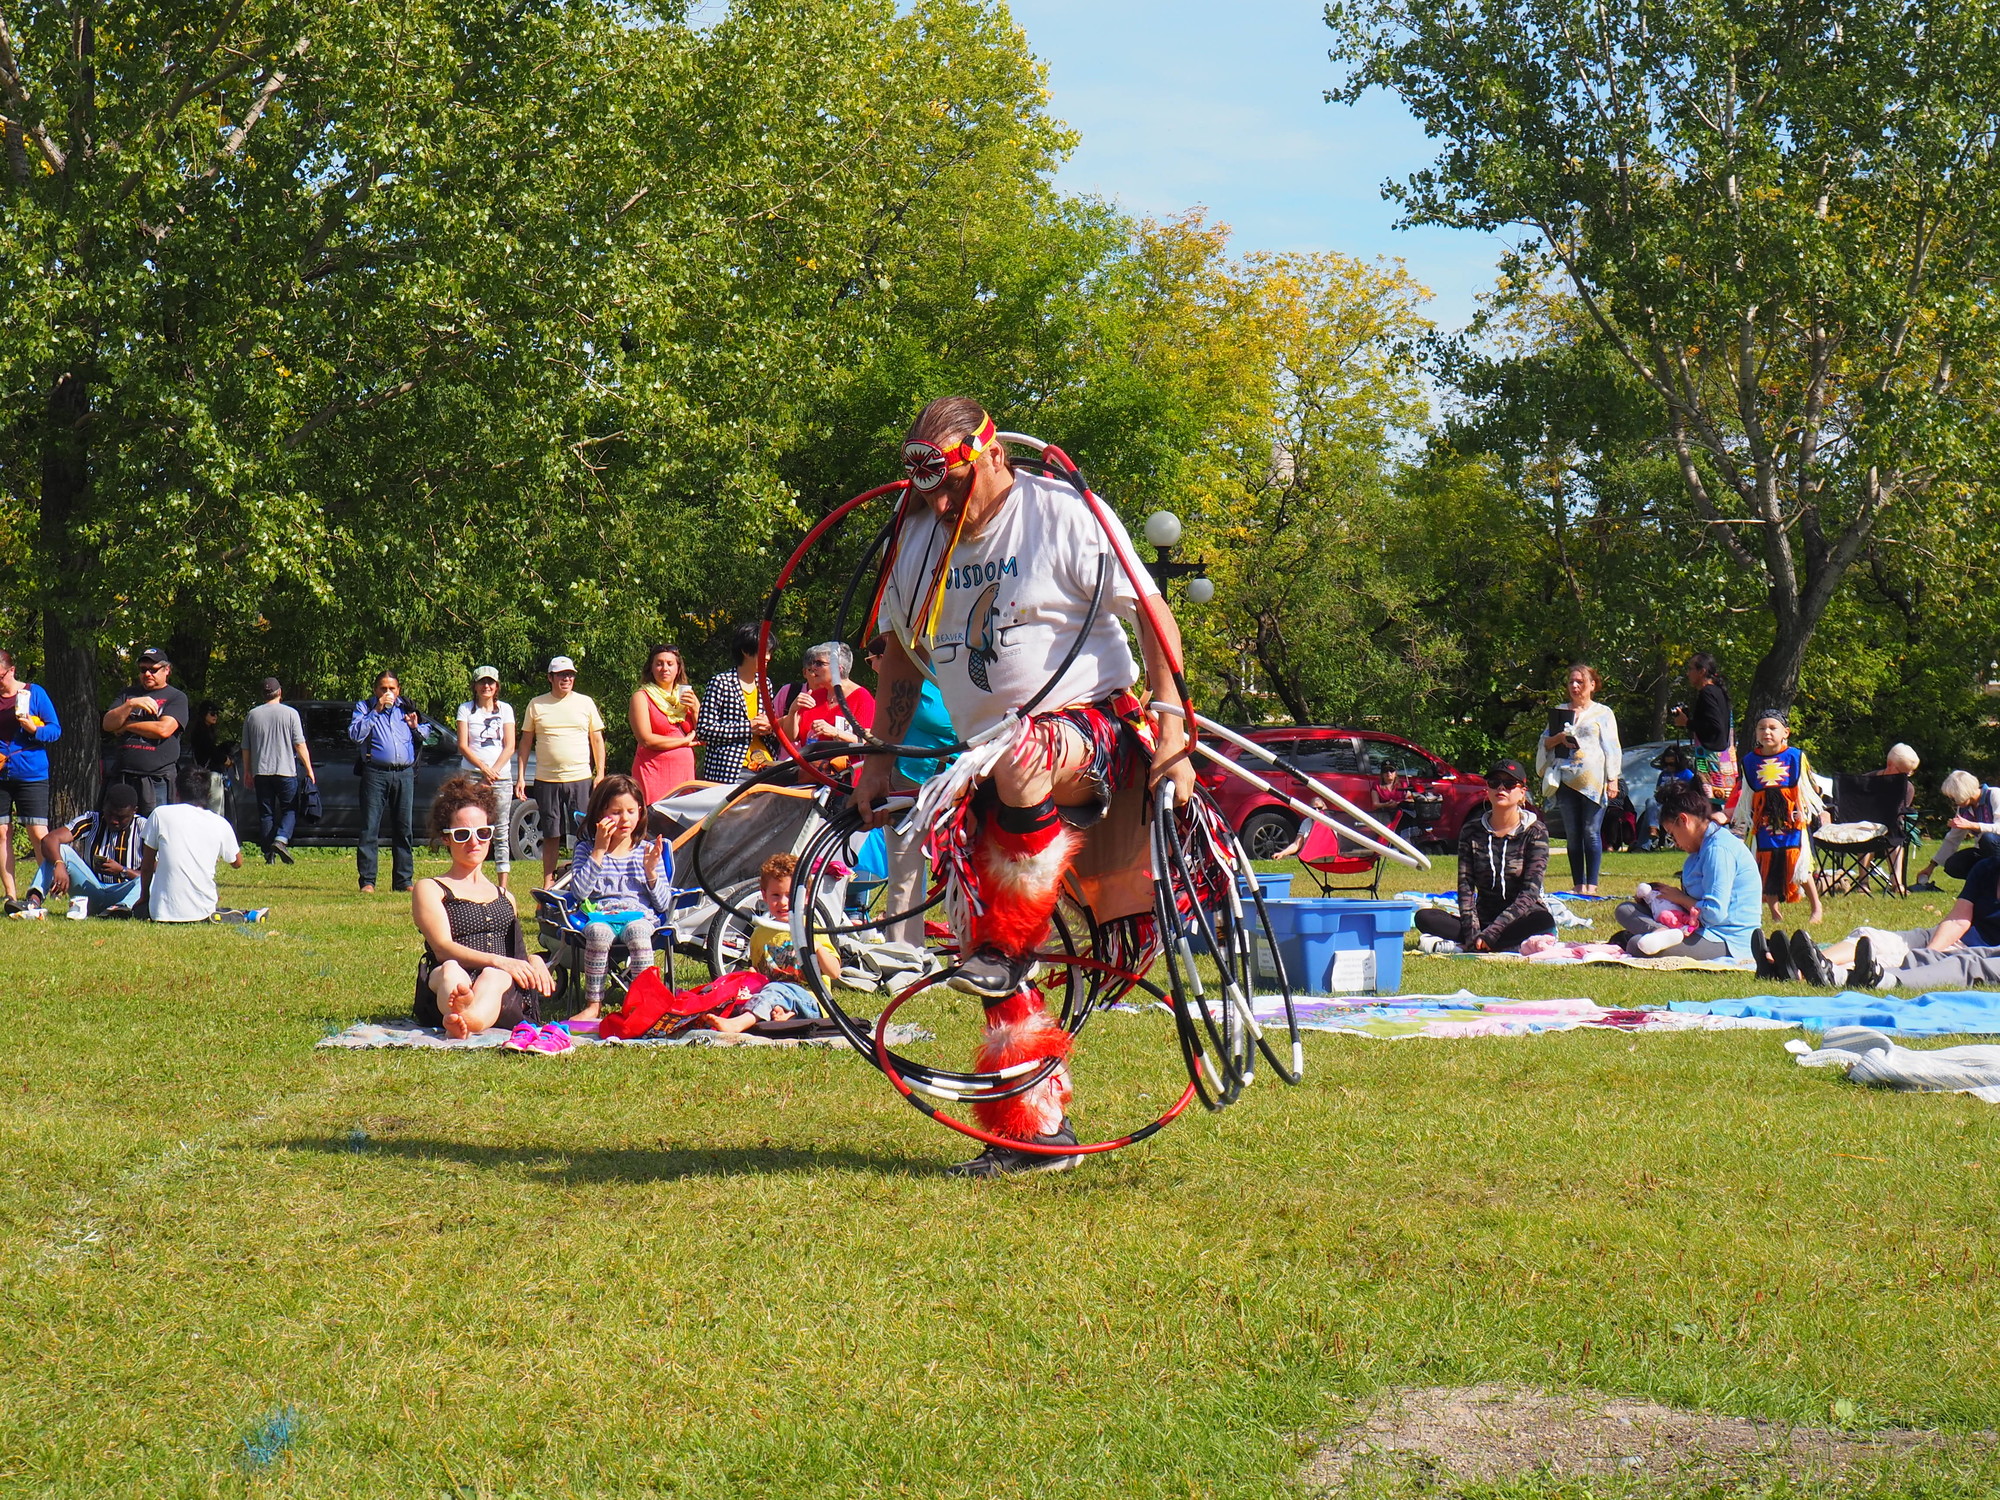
(1333, 946)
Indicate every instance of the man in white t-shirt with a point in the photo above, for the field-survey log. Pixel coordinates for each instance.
(563, 733)
(183, 842)
(993, 580)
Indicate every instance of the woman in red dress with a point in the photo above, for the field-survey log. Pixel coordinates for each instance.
(662, 714)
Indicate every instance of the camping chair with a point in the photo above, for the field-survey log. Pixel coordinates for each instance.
(1866, 845)
(1326, 856)
(562, 946)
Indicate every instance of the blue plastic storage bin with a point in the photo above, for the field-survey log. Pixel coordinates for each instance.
(1274, 887)
(1313, 933)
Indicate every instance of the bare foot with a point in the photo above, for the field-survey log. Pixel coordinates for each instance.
(707, 1023)
(590, 1012)
(455, 1024)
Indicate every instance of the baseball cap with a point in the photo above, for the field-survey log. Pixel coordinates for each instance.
(151, 655)
(491, 674)
(272, 685)
(1506, 770)
(560, 664)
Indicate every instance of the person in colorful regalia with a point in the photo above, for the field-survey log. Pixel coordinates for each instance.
(990, 583)
(1784, 801)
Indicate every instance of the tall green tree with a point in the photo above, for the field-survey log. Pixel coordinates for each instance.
(1779, 214)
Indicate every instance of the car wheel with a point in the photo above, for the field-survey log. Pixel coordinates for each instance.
(1266, 831)
(524, 831)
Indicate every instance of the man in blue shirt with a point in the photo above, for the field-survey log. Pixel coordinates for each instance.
(28, 724)
(386, 729)
(1720, 880)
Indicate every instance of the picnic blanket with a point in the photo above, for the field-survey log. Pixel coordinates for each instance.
(1662, 963)
(1465, 1014)
(1871, 1057)
(1939, 1013)
(368, 1036)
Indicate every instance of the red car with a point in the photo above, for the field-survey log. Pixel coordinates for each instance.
(1377, 772)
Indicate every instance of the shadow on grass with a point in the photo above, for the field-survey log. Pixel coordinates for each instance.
(586, 1164)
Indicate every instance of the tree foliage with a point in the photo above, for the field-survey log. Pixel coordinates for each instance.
(1778, 214)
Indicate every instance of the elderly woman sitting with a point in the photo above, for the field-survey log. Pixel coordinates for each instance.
(1975, 815)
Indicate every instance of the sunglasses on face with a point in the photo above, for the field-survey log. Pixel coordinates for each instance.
(480, 835)
(1504, 786)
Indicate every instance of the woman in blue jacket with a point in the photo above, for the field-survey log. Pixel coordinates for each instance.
(27, 723)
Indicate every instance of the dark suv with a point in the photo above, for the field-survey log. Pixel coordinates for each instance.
(1434, 795)
(333, 755)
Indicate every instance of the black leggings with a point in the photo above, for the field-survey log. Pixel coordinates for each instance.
(1445, 924)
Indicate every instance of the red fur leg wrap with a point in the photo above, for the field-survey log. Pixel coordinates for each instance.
(1019, 1030)
(1020, 879)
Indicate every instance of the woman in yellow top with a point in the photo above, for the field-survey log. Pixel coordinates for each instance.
(663, 713)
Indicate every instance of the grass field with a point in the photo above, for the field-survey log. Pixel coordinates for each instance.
(234, 1264)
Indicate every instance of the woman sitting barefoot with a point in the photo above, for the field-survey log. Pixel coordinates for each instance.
(772, 954)
(618, 877)
(476, 971)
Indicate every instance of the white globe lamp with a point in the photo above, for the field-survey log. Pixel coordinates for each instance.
(1163, 529)
(1200, 590)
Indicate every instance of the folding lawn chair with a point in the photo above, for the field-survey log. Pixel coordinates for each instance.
(1866, 844)
(1326, 857)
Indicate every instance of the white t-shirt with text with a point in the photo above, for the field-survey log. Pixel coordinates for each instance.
(186, 842)
(488, 735)
(1015, 597)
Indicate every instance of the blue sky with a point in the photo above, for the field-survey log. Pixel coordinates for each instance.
(1182, 103)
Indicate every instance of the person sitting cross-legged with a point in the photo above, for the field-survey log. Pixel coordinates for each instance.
(1960, 952)
(1719, 881)
(476, 971)
(1502, 855)
(95, 858)
(183, 842)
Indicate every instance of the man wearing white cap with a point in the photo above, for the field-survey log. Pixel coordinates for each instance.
(569, 731)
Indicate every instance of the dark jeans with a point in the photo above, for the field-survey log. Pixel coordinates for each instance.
(1960, 864)
(154, 788)
(394, 791)
(1445, 924)
(277, 810)
(1583, 821)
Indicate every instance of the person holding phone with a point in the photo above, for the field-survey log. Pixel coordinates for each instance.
(386, 727)
(1579, 759)
(623, 883)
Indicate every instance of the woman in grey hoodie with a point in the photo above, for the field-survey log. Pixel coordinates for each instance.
(1502, 855)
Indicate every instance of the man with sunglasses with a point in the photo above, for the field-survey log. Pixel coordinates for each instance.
(991, 583)
(145, 723)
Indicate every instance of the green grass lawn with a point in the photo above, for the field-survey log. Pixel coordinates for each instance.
(701, 1273)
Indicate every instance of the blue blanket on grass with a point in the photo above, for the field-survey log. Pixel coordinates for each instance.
(1940, 1013)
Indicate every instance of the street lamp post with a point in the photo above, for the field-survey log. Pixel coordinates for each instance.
(1163, 532)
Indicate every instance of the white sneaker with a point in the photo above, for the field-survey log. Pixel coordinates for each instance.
(1431, 943)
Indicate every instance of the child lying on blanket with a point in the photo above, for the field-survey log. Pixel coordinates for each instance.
(772, 953)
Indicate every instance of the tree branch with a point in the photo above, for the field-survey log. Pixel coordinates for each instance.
(17, 91)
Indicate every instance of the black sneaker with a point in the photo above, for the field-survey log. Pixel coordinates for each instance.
(992, 975)
(1810, 962)
(1003, 1161)
(1864, 973)
(284, 851)
(1927, 885)
(1781, 958)
(1761, 951)
(34, 899)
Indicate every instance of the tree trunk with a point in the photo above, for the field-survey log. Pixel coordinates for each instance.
(69, 634)
(1776, 681)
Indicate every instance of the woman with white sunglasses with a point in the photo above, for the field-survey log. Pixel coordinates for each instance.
(476, 971)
